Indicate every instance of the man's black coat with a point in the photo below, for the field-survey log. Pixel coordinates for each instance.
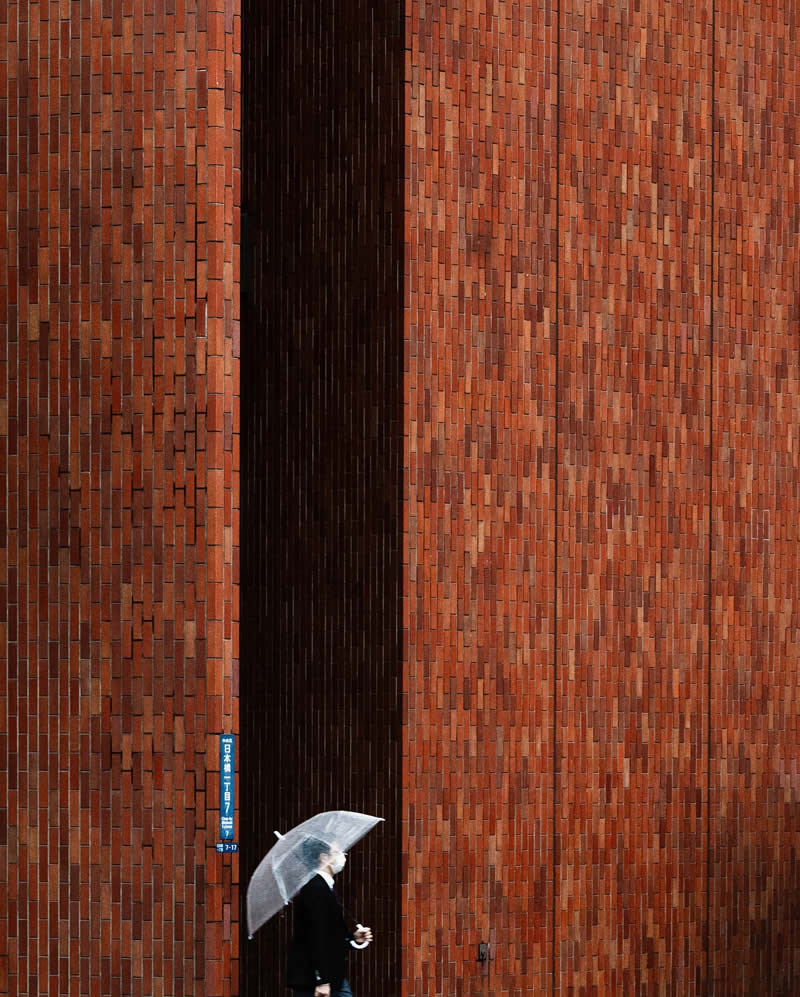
(319, 947)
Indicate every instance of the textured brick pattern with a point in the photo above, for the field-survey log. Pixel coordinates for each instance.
(521, 485)
(322, 450)
(755, 649)
(653, 736)
(479, 462)
(119, 462)
(634, 303)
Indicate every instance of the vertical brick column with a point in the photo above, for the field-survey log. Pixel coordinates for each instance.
(634, 405)
(479, 471)
(118, 125)
(219, 232)
(754, 903)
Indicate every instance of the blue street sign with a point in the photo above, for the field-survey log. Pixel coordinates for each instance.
(227, 846)
(227, 767)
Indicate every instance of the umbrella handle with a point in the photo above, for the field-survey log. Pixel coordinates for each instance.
(359, 945)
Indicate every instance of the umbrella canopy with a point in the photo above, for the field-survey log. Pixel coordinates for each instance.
(286, 869)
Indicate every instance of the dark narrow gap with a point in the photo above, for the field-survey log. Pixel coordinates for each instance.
(322, 454)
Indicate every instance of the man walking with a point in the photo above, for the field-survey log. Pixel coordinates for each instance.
(321, 941)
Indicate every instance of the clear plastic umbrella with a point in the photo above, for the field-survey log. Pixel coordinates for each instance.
(285, 870)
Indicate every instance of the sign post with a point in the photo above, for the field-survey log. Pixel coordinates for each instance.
(227, 772)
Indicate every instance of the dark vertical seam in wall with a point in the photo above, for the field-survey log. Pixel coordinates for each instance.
(710, 466)
(556, 457)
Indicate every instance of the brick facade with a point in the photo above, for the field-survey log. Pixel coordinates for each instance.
(754, 672)
(635, 363)
(601, 265)
(520, 368)
(480, 464)
(119, 458)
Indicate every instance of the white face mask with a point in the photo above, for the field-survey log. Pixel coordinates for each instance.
(337, 862)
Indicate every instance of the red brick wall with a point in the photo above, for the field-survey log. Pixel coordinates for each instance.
(754, 901)
(480, 464)
(633, 492)
(601, 742)
(118, 401)
(577, 507)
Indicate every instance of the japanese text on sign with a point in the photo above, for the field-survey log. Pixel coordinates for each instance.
(227, 765)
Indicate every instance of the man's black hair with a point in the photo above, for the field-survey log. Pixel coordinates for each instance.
(313, 848)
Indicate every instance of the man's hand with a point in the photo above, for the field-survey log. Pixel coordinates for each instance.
(322, 990)
(363, 935)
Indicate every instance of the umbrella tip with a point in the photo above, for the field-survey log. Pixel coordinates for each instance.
(278, 835)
